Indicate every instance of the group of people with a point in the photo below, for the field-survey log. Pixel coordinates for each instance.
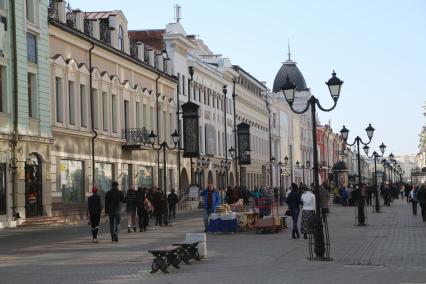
(142, 203)
(417, 195)
(301, 198)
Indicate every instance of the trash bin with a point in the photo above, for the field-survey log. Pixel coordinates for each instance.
(198, 237)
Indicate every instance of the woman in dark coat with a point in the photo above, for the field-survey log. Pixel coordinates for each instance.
(293, 201)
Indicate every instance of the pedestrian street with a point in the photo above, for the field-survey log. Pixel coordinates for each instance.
(390, 249)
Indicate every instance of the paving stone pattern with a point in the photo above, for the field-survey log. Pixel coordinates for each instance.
(391, 249)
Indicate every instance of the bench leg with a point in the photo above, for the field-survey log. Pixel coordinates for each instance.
(194, 253)
(184, 256)
(172, 259)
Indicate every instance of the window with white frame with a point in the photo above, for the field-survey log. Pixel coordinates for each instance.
(3, 92)
(138, 115)
(30, 10)
(83, 106)
(59, 99)
(2, 4)
(95, 109)
(114, 113)
(145, 116)
(31, 48)
(71, 102)
(126, 115)
(104, 111)
(121, 38)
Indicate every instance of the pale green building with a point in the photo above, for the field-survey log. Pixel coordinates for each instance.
(25, 111)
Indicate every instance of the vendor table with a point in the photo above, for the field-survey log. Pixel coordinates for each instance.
(223, 222)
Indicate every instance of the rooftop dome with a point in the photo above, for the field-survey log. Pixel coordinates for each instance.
(289, 68)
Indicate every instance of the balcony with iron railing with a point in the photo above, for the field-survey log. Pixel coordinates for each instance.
(135, 138)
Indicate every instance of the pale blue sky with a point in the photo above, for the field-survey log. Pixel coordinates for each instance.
(377, 47)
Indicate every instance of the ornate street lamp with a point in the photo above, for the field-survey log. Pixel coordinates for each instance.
(382, 148)
(243, 133)
(345, 133)
(334, 85)
(152, 137)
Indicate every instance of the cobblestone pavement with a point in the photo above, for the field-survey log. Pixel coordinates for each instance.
(391, 249)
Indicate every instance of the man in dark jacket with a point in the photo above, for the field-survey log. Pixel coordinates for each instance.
(173, 200)
(94, 209)
(294, 201)
(143, 218)
(113, 200)
(421, 197)
(159, 202)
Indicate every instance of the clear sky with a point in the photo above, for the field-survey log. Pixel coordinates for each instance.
(377, 47)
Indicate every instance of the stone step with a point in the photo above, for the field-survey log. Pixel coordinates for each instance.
(48, 221)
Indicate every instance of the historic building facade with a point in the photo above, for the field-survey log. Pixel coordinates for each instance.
(133, 93)
(25, 117)
(291, 132)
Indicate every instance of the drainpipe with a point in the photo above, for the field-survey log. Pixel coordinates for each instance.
(178, 129)
(270, 141)
(15, 134)
(91, 113)
(158, 133)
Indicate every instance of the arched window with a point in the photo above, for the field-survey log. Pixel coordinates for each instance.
(121, 38)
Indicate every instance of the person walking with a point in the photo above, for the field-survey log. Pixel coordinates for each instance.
(211, 200)
(308, 213)
(159, 202)
(173, 200)
(413, 199)
(131, 209)
(113, 200)
(421, 197)
(294, 201)
(94, 209)
(141, 209)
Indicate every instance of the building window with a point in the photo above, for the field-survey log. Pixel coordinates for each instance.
(83, 106)
(3, 4)
(183, 85)
(95, 109)
(103, 178)
(144, 177)
(3, 92)
(126, 115)
(71, 102)
(114, 113)
(3, 189)
(145, 116)
(30, 10)
(31, 48)
(121, 38)
(59, 102)
(32, 96)
(126, 179)
(138, 115)
(72, 181)
(104, 111)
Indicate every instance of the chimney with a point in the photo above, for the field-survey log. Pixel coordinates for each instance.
(79, 20)
(160, 65)
(112, 30)
(141, 50)
(151, 57)
(95, 28)
(60, 9)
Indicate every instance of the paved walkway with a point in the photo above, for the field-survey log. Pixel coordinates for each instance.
(391, 249)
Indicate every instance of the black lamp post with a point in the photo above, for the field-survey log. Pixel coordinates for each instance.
(163, 146)
(334, 84)
(225, 152)
(358, 141)
(375, 155)
(279, 166)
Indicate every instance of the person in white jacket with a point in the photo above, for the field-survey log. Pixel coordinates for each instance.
(308, 213)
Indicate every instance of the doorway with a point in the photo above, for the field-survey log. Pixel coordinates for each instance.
(33, 186)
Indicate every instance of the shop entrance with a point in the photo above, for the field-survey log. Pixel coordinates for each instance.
(33, 186)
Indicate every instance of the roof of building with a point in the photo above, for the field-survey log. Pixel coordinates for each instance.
(101, 14)
(290, 69)
(152, 38)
